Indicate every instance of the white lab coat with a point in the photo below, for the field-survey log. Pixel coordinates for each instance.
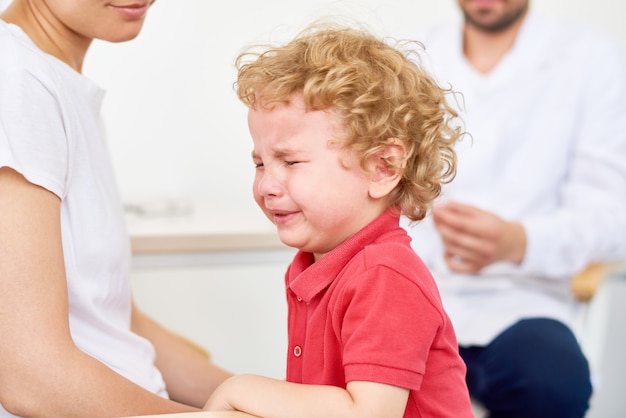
(547, 147)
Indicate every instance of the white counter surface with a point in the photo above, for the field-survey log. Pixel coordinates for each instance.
(188, 227)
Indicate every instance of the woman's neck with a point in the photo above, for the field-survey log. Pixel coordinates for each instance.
(47, 32)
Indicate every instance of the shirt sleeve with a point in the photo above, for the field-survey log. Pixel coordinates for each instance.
(590, 224)
(33, 140)
(388, 329)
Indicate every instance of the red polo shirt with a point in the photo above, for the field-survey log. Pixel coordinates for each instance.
(369, 310)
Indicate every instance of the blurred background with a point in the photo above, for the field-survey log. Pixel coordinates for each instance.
(181, 150)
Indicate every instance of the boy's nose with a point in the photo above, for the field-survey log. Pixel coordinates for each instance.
(268, 185)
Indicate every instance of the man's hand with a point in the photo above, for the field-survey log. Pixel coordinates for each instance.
(474, 238)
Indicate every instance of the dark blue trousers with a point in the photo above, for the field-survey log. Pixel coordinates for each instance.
(534, 369)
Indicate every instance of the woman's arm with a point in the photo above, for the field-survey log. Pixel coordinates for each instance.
(271, 398)
(42, 372)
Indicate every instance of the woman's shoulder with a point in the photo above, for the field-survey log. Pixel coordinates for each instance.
(21, 58)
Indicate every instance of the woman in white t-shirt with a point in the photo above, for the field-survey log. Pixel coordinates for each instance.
(72, 342)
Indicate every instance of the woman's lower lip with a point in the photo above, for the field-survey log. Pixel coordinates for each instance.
(132, 12)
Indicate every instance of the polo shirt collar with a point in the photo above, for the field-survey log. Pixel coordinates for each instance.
(307, 278)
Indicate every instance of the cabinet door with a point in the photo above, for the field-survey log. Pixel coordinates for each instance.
(233, 305)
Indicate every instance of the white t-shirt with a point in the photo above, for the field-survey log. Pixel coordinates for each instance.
(547, 148)
(51, 133)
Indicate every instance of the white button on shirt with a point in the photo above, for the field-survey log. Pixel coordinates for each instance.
(297, 351)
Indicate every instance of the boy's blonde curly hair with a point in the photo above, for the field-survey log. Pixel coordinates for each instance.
(378, 92)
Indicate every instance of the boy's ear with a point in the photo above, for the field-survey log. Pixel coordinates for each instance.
(386, 168)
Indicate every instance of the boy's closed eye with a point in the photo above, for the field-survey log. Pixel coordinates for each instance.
(287, 163)
(258, 163)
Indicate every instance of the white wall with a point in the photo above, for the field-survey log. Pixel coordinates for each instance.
(231, 303)
(176, 128)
